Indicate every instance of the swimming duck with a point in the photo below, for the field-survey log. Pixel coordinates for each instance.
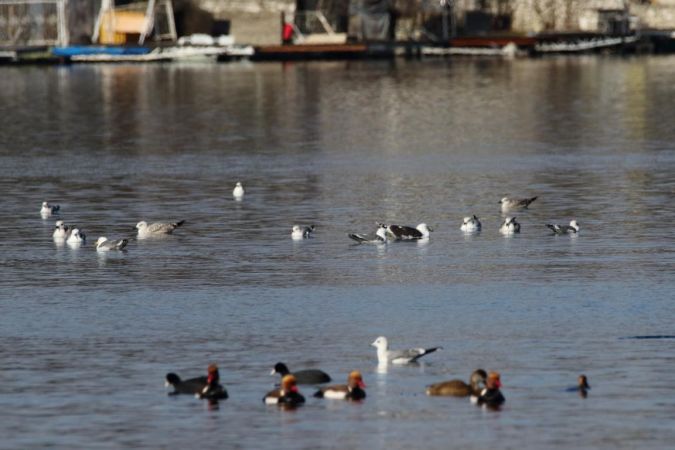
(213, 390)
(307, 376)
(353, 390)
(582, 386)
(286, 395)
(491, 396)
(458, 388)
(509, 204)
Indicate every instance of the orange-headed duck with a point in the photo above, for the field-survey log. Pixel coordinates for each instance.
(582, 386)
(308, 376)
(286, 395)
(491, 396)
(213, 389)
(353, 390)
(458, 388)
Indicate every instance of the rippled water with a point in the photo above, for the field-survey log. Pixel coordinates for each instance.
(85, 339)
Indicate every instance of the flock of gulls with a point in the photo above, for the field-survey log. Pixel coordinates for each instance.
(483, 388)
(73, 236)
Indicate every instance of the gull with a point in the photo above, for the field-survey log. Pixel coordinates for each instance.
(299, 233)
(379, 237)
(572, 228)
(384, 355)
(104, 245)
(156, 229)
(48, 210)
(76, 236)
(404, 233)
(470, 224)
(60, 230)
(510, 226)
(509, 204)
(238, 191)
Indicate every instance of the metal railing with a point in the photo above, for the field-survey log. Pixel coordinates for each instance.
(28, 23)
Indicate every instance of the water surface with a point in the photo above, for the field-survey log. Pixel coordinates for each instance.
(86, 339)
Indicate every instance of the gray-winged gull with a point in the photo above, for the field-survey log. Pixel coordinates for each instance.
(384, 355)
(103, 244)
(572, 228)
(157, 228)
(509, 204)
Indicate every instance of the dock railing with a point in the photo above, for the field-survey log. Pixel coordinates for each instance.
(33, 23)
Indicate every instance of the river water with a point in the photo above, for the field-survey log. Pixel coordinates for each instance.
(86, 338)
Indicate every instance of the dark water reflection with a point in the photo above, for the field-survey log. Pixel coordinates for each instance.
(85, 339)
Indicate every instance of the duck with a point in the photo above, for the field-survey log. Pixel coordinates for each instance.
(156, 229)
(406, 233)
(491, 396)
(510, 226)
(213, 390)
(286, 395)
(470, 224)
(572, 228)
(48, 210)
(509, 204)
(458, 388)
(582, 386)
(103, 244)
(299, 233)
(411, 355)
(238, 191)
(60, 230)
(307, 376)
(353, 390)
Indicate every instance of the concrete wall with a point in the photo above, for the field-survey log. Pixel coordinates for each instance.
(256, 22)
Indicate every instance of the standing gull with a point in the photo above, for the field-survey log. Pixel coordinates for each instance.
(572, 228)
(238, 191)
(384, 355)
(471, 224)
(48, 210)
(509, 204)
(299, 233)
(103, 244)
(60, 230)
(156, 229)
(405, 233)
(510, 226)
